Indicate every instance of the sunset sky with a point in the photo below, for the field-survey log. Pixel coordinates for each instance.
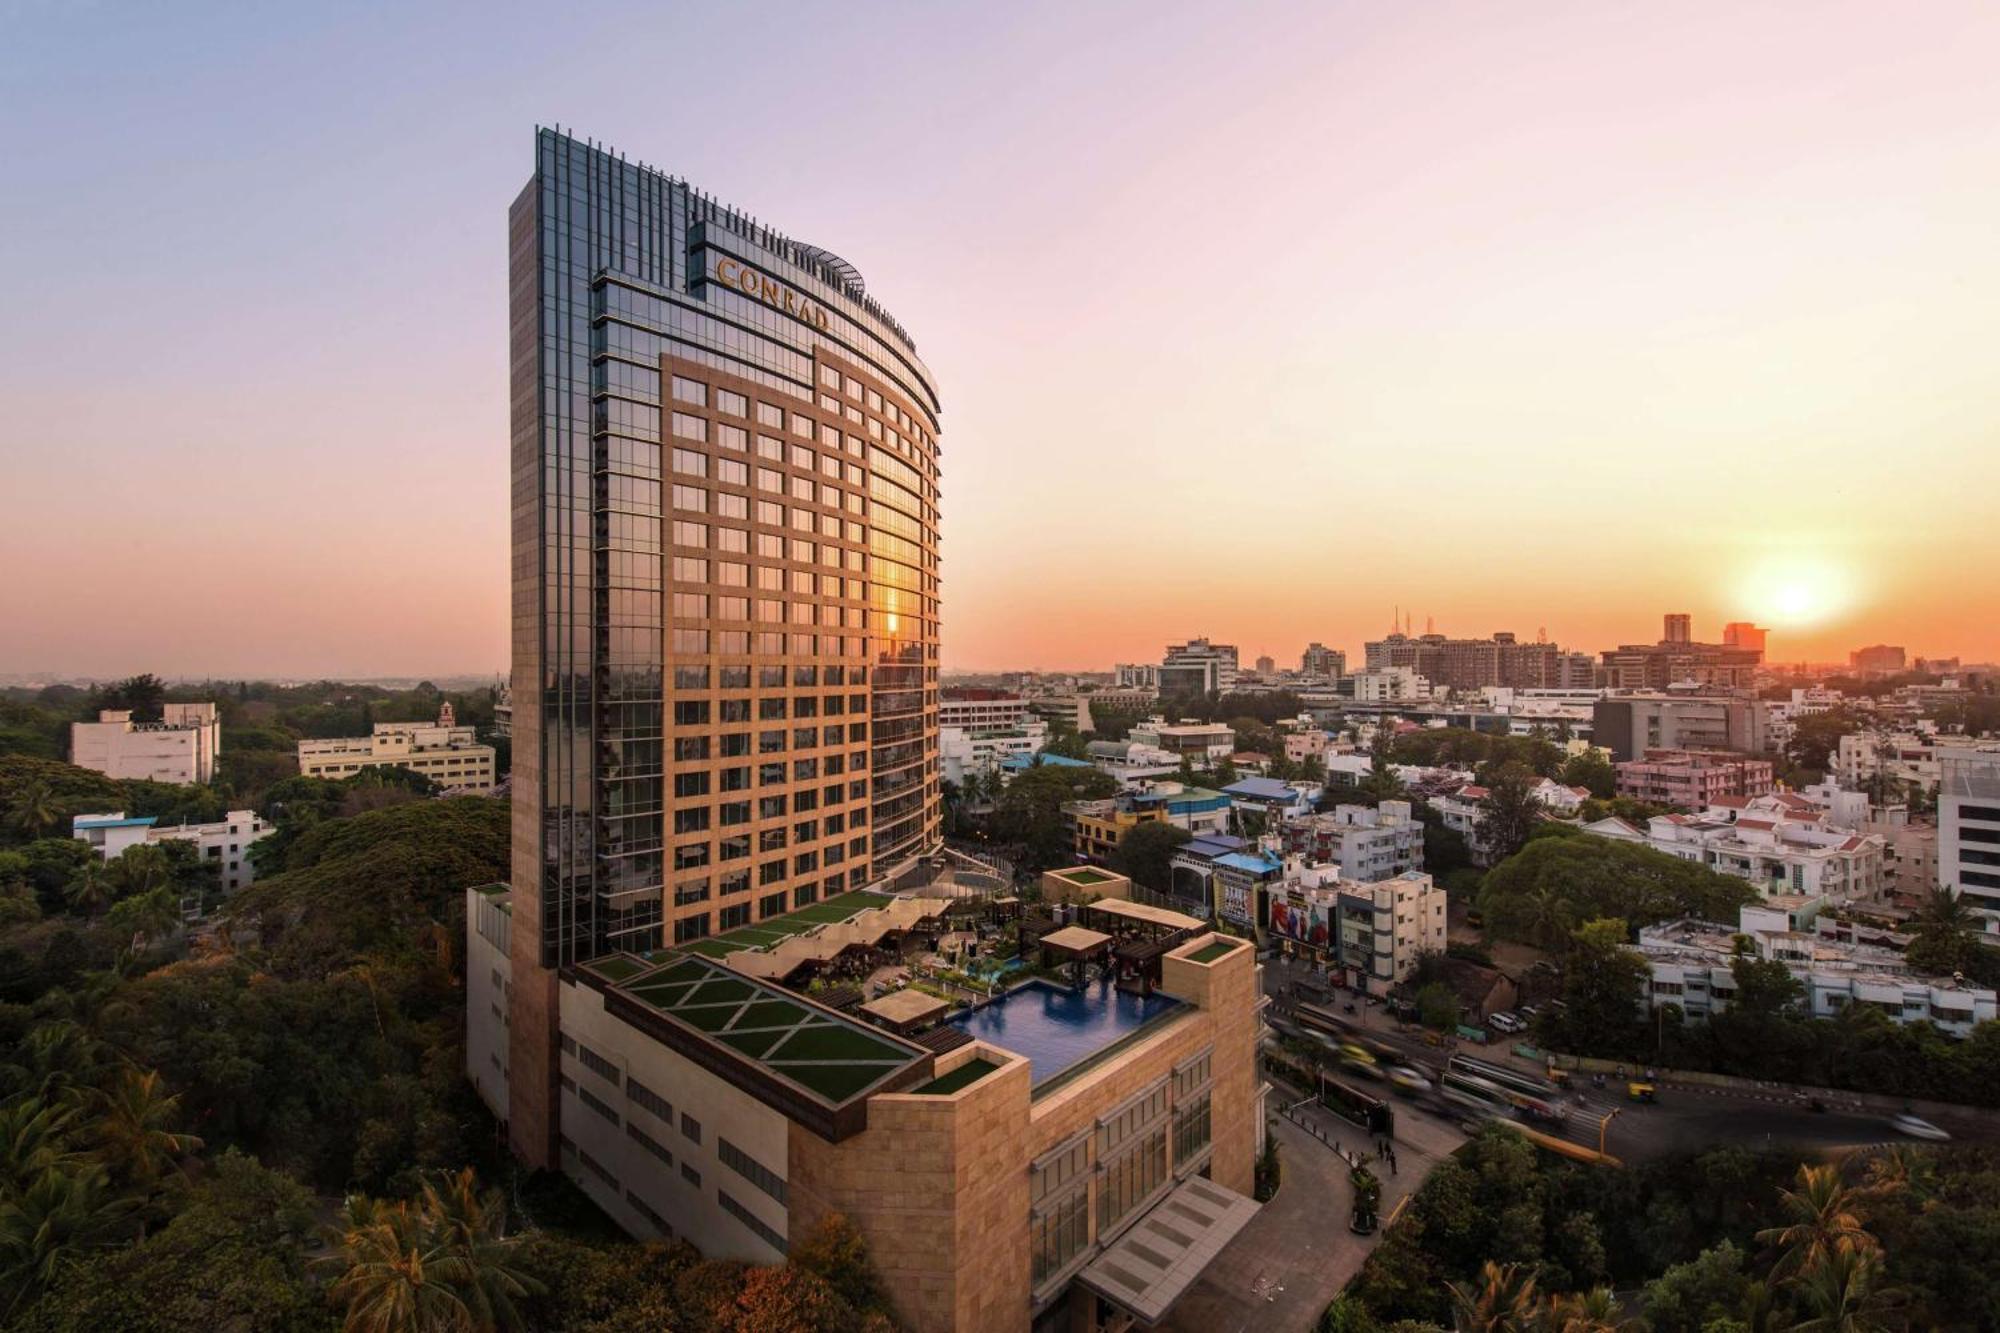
(1251, 321)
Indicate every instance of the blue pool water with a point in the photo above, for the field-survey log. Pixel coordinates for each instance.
(1055, 1027)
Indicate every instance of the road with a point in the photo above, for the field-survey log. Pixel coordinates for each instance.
(1685, 1119)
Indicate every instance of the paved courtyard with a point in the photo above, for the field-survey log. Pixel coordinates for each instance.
(1282, 1269)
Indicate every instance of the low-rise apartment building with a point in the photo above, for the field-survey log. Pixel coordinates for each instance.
(1199, 742)
(449, 755)
(1780, 850)
(975, 709)
(1909, 757)
(1366, 843)
(225, 844)
(963, 753)
(1692, 779)
(180, 748)
(1629, 725)
(1097, 826)
(1691, 965)
(1368, 934)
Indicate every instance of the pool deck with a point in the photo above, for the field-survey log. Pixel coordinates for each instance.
(1052, 1043)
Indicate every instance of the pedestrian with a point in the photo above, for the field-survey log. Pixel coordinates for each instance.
(1392, 1164)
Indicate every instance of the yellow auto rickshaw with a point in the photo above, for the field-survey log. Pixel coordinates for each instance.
(1641, 1092)
(1559, 1077)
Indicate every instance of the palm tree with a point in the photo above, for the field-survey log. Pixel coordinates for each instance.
(1825, 1217)
(475, 1225)
(1504, 1302)
(34, 811)
(46, 1227)
(89, 890)
(140, 870)
(387, 1257)
(1944, 908)
(1593, 1311)
(57, 1055)
(34, 1138)
(442, 1265)
(1841, 1292)
(1547, 916)
(133, 1128)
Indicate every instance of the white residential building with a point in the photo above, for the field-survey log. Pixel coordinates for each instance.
(1382, 685)
(1691, 963)
(451, 756)
(1779, 843)
(983, 710)
(1909, 756)
(962, 751)
(1371, 931)
(1365, 843)
(224, 844)
(1201, 742)
(1968, 855)
(1197, 667)
(181, 747)
(1131, 762)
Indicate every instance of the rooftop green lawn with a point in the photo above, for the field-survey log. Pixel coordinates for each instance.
(1083, 875)
(966, 1074)
(771, 1014)
(715, 948)
(752, 1044)
(835, 1082)
(1208, 953)
(834, 1041)
(618, 968)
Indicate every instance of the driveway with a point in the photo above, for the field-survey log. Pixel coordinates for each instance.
(1281, 1271)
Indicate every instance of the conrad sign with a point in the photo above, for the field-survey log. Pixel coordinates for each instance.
(735, 273)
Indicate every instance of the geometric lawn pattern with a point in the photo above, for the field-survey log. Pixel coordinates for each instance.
(824, 1054)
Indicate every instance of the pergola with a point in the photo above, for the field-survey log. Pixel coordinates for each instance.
(902, 1011)
(1143, 934)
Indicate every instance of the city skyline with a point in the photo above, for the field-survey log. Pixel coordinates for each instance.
(1664, 321)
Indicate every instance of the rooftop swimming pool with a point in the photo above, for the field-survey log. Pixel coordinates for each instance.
(1055, 1027)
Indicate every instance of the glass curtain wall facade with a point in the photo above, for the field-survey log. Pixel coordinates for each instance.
(725, 527)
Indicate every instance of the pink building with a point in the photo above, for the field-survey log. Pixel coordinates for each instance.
(1693, 779)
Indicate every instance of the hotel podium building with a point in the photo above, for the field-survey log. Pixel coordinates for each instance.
(725, 466)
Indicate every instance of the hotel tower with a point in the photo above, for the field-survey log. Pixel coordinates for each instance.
(725, 575)
(725, 796)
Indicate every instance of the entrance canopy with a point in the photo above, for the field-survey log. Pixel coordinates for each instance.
(1148, 1268)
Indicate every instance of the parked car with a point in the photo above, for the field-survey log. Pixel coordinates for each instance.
(1506, 1022)
(1917, 1128)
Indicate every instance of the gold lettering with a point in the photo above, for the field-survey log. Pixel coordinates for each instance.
(722, 273)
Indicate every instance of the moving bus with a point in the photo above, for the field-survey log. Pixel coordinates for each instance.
(1344, 1099)
(1496, 1086)
(1343, 1029)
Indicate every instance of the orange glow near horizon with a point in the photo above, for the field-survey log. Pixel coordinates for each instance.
(1249, 321)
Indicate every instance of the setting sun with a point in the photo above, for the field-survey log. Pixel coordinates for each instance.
(1797, 590)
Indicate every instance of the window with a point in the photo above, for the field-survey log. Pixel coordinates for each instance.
(689, 463)
(752, 1170)
(690, 1175)
(688, 427)
(649, 1143)
(690, 1128)
(731, 404)
(690, 391)
(749, 1219)
(597, 1064)
(596, 1104)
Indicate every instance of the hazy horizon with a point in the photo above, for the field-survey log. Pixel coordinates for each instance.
(1249, 321)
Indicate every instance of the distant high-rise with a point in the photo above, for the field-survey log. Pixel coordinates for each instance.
(1320, 660)
(1471, 664)
(1198, 667)
(1881, 658)
(1267, 665)
(1743, 634)
(1678, 660)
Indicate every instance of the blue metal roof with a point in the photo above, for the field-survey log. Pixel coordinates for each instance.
(1256, 863)
(146, 822)
(1022, 762)
(1262, 789)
